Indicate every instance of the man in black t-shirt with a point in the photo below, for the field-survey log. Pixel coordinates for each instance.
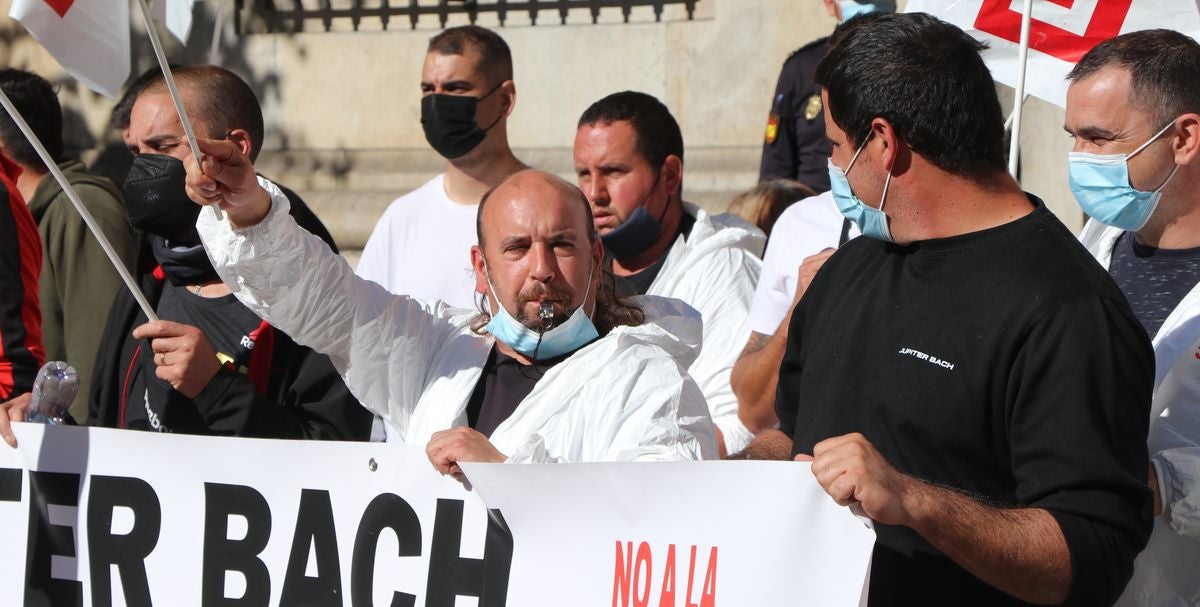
(1135, 101)
(966, 376)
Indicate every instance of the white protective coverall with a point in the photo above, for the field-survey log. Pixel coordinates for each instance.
(1167, 572)
(715, 270)
(624, 397)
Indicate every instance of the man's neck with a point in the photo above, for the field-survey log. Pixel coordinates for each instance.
(951, 205)
(1176, 222)
(28, 182)
(666, 238)
(469, 179)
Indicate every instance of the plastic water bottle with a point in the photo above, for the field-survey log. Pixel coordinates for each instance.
(53, 390)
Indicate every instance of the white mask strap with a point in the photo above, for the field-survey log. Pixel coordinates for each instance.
(1151, 140)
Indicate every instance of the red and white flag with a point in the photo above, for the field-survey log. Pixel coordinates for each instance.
(176, 15)
(1060, 32)
(89, 38)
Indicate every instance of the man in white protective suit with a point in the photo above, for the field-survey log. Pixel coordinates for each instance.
(1133, 108)
(561, 371)
(629, 162)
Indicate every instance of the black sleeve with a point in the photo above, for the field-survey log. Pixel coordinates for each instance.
(20, 326)
(1077, 422)
(779, 152)
(790, 369)
(800, 150)
(313, 403)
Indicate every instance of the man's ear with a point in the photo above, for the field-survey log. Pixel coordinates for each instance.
(477, 263)
(508, 90)
(890, 148)
(673, 174)
(241, 137)
(1187, 145)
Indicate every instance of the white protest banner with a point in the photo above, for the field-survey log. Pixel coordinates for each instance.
(90, 39)
(1061, 32)
(107, 517)
(692, 535)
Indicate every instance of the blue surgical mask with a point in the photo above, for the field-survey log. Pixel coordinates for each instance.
(571, 335)
(1100, 182)
(637, 233)
(851, 9)
(871, 221)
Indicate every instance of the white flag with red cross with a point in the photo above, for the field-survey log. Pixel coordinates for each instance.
(1060, 32)
(89, 38)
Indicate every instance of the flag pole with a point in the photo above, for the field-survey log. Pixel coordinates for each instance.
(1014, 139)
(218, 25)
(171, 88)
(130, 283)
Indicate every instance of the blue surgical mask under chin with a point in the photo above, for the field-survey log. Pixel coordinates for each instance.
(637, 233)
(871, 221)
(1100, 182)
(851, 9)
(571, 335)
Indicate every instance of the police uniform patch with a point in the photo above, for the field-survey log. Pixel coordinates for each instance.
(812, 107)
(772, 127)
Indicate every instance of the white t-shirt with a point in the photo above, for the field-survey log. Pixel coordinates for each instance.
(805, 228)
(421, 247)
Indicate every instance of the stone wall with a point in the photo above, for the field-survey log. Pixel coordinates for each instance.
(342, 107)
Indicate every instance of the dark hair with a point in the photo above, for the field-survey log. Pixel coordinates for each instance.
(220, 98)
(657, 132)
(34, 98)
(1164, 66)
(926, 78)
(611, 311)
(496, 59)
(119, 119)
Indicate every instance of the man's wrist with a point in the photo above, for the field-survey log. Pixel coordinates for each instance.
(253, 212)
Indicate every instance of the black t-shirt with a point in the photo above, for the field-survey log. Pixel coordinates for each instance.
(1003, 363)
(505, 382)
(1154, 280)
(639, 284)
(227, 324)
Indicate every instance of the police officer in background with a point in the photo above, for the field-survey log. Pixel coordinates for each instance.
(795, 146)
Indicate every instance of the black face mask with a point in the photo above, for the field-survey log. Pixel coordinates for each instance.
(449, 123)
(156, 198)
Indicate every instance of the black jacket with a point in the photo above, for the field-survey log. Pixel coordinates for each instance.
(290, 392)
(304, 396)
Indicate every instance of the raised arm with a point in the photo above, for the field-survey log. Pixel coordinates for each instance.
(381, 343)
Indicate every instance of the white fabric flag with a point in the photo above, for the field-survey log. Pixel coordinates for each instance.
(1060, 32)
(176, 15)
(89, 38)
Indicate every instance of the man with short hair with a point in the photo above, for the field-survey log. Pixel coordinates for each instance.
(209, 366)
(559, 370)
(78, 282)
(629, 162)
(964, 374)
(1133, 108)
(467, 95)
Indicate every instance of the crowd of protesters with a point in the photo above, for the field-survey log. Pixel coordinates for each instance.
(1016, 407)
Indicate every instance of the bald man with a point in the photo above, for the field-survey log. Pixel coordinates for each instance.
(557, 370)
